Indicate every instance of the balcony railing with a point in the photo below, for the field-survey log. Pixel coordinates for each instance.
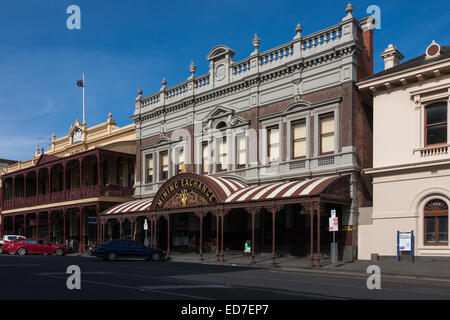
(68, 195)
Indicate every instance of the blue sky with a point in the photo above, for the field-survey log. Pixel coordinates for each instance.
(126, 45)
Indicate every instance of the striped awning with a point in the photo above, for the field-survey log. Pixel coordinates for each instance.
(130, 207)
(228, 186)
(281, 190)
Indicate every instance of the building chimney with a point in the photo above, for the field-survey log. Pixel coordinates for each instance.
(391, 56)
(368, 25)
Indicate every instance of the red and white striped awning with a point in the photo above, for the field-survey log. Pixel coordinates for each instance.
(281, 190)
(130, 207)
(228, 186)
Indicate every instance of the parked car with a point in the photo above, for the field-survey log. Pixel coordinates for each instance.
(37, 246)
(7, 239)
(122, 248)
(5, 246)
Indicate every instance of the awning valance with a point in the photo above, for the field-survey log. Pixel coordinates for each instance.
(130, 207)
(281, 190)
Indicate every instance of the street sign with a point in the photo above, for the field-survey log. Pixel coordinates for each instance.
(333, 213)
(404, 243)
(145, 225)
(333, 224)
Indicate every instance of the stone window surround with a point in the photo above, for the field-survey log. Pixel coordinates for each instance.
(299, 115)
(422, 99)
(231, 134)
(421, 223)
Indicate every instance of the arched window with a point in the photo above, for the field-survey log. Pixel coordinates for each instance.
(436, 223)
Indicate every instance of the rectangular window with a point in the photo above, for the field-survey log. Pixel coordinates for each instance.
(164, 165)
(326, 127)
(205, 158)
(299, 139)
(180, 164)
(241, 151)
(222, 148)
(436, 124)
(149, 166)
(273, 144)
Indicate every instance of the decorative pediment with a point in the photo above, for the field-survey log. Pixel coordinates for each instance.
(219, 52)
(44, 158)
(161, 140)
(222, 118)
(219, 112)
(297, 105)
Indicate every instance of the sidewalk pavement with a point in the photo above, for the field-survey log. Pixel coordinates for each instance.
(437, 269)
(426, 269)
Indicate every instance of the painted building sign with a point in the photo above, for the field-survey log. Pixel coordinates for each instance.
(186, 193)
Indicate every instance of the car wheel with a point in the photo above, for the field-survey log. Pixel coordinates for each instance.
(21, 251)
(155, 257)
(59, 252)
(112, 256)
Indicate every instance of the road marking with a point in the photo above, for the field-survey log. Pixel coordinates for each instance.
(181, 286)
(128, 287)
(65, 273)
(20, 265)
(387, 278)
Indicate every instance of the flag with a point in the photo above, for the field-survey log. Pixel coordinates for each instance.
(80, 83)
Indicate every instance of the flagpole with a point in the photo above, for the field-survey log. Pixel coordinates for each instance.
(84, 110)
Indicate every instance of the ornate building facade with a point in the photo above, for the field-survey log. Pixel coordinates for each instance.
(260, 149)
(411, 161)
(58, 193)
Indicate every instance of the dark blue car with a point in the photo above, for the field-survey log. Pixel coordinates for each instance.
(122, 248)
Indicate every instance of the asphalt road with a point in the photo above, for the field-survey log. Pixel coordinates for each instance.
(45, 277)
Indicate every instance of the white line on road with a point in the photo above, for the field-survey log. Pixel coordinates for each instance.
(184, 286)
(128, 287)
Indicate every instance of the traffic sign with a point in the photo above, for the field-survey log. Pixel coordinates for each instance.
(333, 224)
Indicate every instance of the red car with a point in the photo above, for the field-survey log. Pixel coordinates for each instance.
(37, 246)
(6, 244)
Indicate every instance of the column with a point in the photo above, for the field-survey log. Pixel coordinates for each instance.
(49, 215)
(64, 225)
(168, 234)
(223, 216)
(317, 206)
(37, 224)
(217, 234)
(81, 221)
(253, 213)
(25, 225)
(120, 228)
(201, 235)
(311, 257)
(273, 236)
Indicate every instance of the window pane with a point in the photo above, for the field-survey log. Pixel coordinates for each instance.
(273, 136)
(300, 149)
(205, 157)
(299, 131)
(327, 125)
(437, 134)
(274, 153)
(328, 143)
(181, 157)
(443, 229)
(437, 113)
(430, 230)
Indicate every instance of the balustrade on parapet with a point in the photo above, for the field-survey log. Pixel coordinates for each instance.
(322, 39)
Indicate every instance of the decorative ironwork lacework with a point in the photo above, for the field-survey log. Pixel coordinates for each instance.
(436, 205)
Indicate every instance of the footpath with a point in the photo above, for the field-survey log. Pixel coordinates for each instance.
(425, 268)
